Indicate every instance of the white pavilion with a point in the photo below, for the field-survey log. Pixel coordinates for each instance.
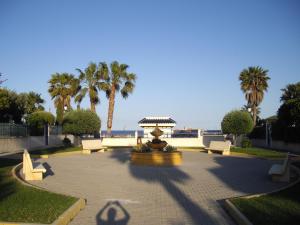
(164, 123)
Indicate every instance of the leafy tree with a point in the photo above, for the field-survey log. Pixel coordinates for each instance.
(91, 81)
(117, 79)
(254, 82)
(31, 102)
(237, 123)
(291, 91)
(37, 121)
(62, 88)
(289, 112)
(79, 122)
(10, 107)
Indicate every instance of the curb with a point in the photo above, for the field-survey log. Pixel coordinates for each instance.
(238, 216)
(64, 218)
(46, 156)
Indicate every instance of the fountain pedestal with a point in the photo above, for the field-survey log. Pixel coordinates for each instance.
(157, 156)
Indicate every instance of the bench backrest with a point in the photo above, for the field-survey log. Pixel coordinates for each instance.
(91, 144)
(27, 163)
(221, 145)
(285, 162)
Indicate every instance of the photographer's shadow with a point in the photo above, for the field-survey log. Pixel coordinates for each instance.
(112, 209)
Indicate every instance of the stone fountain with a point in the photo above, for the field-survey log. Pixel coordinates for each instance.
(159, 155)
(156, 144)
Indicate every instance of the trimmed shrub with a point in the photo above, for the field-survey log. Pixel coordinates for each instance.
(170, 148)
(79, 122)
(67, 142)
(237, 122)
(37, 120)
(246, 143)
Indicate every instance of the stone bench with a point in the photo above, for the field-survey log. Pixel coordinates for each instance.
(32, 171)
(219, 146)
(281, 172)
(92, 145)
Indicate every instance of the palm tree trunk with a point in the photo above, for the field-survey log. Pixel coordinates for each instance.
(93, 107)
(254, 111)
(111, 107)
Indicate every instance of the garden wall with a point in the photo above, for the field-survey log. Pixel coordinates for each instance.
(278, 145)
(17, 144)
(202, 141)
(176, 142)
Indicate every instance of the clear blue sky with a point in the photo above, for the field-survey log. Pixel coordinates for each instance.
(187, 54)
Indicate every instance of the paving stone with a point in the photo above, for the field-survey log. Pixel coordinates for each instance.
(188, 194)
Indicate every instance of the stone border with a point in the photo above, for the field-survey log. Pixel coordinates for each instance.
(46, 156)
(238, 216)
(64, 218)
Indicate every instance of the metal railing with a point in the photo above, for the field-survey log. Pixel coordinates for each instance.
(13, 130)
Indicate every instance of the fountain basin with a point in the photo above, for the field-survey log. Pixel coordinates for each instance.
(156, 158)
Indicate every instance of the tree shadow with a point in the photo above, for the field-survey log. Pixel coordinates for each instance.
(7, 184)
(111, 209)
(246, 175)
(122, 156)
(168, 177)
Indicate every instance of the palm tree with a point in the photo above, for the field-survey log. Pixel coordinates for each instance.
(62, 88)
(117, 79)
(92, 80)
(254, 82)
(291, 91)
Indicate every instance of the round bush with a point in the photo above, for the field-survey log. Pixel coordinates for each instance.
(67, 142)
(237, 123)
(79, 122)
(37, 121)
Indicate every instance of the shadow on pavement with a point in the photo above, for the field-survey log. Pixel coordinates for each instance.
(108, 215)
(168, 177)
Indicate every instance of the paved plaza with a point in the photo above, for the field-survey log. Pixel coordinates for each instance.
(120, 193)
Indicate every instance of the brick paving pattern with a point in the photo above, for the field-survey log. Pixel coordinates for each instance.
(120, 193)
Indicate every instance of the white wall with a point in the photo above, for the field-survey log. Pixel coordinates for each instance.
(176, 142)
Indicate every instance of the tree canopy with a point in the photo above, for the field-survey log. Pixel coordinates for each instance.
(254, 82)
(14, 106)
(237, 122)
(79, 122)
(62, 87)
(289, 112)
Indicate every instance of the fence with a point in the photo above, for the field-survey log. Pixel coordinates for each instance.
(20, 130)
(13, 130)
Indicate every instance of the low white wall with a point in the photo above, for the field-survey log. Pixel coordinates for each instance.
(17, 144)
(278, 145)
(119, 141)
(176, 142)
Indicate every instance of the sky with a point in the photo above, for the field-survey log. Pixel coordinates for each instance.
(187, 55)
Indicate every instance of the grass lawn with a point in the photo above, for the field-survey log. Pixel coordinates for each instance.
(259, 152)
(55, 150)
(275, 209)
(19, 203)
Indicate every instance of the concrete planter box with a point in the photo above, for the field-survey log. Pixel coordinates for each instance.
(157, 158)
